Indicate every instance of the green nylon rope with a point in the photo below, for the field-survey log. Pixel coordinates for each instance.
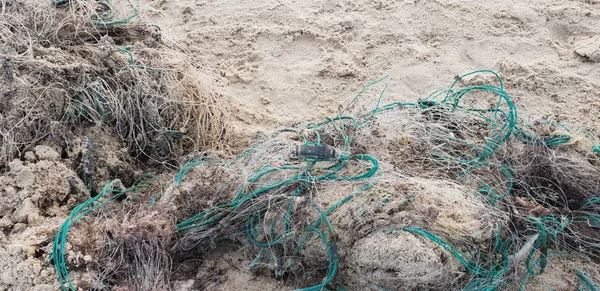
(488, 277)
(306, 176)
(330, 248)
(548, 227)
(58, 254)
(106, 18)
(586, 284)
(58, 249)
(187, 168)
(503, 126)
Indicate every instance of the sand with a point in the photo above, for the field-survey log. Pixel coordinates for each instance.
(284, 62)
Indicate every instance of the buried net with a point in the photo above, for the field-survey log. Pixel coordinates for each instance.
(73, 67)
(313, 199)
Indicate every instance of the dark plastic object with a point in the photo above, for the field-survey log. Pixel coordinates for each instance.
(428, 103)
(315, 152)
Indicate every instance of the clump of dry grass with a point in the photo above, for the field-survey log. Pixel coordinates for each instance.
(560, 183)
(61, 72)
(129, 245)
(143, 245)
(555, 178)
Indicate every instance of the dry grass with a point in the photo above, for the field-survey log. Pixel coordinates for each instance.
(129, 244)
(556, 179)
(60, 72)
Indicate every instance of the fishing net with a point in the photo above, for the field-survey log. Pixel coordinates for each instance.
(455, 190)
(452, 191)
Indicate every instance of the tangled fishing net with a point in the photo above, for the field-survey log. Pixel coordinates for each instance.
(452, 191)
(455, 190)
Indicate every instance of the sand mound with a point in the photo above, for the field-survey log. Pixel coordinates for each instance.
(39, 187)
(398, 261)
(35, 195)
(23, 267)
(78, 73)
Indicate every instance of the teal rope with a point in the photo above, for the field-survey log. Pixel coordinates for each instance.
(330, 248)
(304, 177)
(545, 230)
(58, 254)
(187, 168)
(503, 123)
(106, 19)
(488, 278)
(58, 249)
(586, 284)
(471, 266)
(369, 85)
(502, 120)
(591, 202)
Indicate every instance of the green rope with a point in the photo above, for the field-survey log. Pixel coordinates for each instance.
(472, 266)
(369, 85)
(304, 176)
(187, 168)
(330, 248)
(502, 120)
(105, 17)
(58, 254)
(586, 284)
(591, 202)
(58, 249)
(548, 227)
